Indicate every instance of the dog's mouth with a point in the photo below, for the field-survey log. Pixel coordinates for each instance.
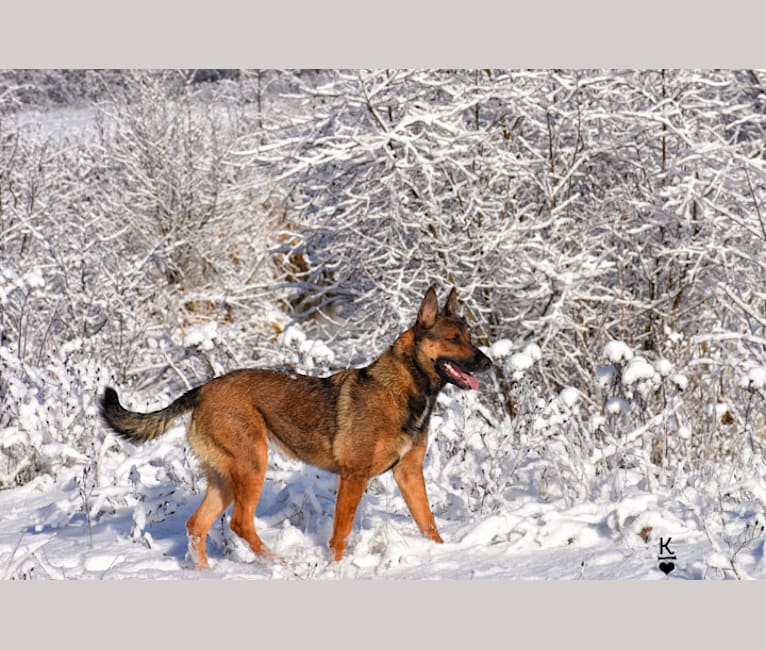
(454, 374)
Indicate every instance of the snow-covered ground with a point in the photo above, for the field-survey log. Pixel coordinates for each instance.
(56, 124)
(44, 532)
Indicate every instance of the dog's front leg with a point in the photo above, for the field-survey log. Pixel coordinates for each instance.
(350, 490)
(408, 475)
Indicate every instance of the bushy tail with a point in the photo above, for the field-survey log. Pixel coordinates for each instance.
(141, 427)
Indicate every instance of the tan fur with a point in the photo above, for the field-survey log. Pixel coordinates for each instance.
(357, 423)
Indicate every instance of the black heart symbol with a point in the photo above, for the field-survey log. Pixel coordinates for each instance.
(667, 567)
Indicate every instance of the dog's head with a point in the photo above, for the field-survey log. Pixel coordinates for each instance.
(443, 345)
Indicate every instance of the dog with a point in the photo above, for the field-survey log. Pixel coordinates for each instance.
(357, 423)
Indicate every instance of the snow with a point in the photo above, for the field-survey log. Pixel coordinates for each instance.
(531, 538)
(319, 353)
(569, 397)
(663, 367)
(516, 363)
(721, 409)
(58, 124)
(521, 361)
(755, 379)
(616, 405)
(34, 279)
(202, 335)
(680, 380)
(596, 421)
(532, 350)
(638, 369)
(127, 519)
(500, 349)
(310, 352)
(293, 336)
(617, 352)
(605, 375)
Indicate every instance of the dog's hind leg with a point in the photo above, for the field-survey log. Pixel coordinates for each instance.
(217, 498)
(350, 490)
(247, 476)
(408, 475)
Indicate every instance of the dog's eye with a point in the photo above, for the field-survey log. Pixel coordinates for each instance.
(455, 338)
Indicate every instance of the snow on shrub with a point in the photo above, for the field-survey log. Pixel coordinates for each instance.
(754, 380)
(303, 351)
(617, 405)
(532, 350)
(500, 349)
(663, 367)
(638, 370)
(518, 360)
(617, 352)
(570, 398)
(681, 381)
(519, 363)
(203, 335)
(605, 376)
(49, 415)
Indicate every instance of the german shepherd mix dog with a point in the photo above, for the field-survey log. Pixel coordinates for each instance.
(357, 423)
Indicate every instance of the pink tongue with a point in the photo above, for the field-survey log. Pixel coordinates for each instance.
(468, 379)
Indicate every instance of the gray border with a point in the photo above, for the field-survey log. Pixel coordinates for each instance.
(381, 614)
(393, 33)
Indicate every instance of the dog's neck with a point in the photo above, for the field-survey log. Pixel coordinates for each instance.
(397, 363)
(423, 382)
(417, 393)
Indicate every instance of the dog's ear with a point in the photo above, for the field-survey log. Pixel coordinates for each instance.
(450, 307)
(429, 310)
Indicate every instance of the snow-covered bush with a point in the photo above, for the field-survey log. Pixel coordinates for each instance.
(48, 413)
(570, 207)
